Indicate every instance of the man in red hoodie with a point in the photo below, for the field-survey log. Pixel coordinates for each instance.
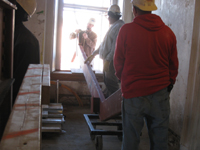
(146, 63)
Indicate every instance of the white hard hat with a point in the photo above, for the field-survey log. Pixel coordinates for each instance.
(92, 21)
(145, 5)
(28, 5)
(115, 10)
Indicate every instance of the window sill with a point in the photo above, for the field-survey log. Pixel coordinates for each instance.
(73, 75)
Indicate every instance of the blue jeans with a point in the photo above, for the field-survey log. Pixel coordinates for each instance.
(155, 110)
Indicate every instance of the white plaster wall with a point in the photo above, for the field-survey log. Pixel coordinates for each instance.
(191, 131)
(36, 25)
(179, 16)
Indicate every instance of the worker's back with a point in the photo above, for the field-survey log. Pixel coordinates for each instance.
(149, 44)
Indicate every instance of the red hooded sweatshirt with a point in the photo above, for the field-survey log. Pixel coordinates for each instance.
(145, 57)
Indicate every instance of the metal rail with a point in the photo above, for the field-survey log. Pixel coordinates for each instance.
(92, 126)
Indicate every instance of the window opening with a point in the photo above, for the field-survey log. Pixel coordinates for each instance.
(77, 17)
(94, 3)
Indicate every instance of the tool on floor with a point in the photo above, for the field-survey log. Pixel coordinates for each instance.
(69, 89)
(52, 115)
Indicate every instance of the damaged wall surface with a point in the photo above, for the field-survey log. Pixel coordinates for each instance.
(191, 132)
(179, 16)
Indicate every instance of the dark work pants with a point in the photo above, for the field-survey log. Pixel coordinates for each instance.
(110, 80)
(155, 110)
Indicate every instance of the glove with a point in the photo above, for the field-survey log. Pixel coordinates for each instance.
(78, 31)
(106, 65)
(85, 36)
(170, 87)
(89, 59)
(72, 36)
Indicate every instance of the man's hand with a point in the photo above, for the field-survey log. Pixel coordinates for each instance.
(85, 36)
(106, 65)
(170, 87)
(72, 36)
(78, 31)
(89, 59)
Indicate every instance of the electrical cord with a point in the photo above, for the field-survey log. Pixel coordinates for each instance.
(72, 91)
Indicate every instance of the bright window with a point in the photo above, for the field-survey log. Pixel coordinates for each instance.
(77, 17)
(94, 3)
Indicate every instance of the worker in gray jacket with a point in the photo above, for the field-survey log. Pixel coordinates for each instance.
(107, 48)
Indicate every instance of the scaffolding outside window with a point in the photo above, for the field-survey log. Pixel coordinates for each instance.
(76, 15)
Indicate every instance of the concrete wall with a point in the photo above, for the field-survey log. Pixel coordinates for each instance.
(191, 132)
(179, 16)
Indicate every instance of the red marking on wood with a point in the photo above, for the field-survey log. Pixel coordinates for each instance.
(20, 105)
(29, 108)
(33, 76)
(20, 133)
(34, 92)
(38, 68)
(35, 68)
(74, 56)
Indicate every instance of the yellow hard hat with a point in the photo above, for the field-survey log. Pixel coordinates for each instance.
(28, 5)
(145, 5)
(92, 21)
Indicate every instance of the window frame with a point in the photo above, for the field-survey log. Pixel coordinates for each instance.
(59, 28)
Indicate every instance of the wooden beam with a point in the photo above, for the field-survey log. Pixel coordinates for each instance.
(72, 76)
(24, 125)
(108, 107)
(46, 84)
(7, 4)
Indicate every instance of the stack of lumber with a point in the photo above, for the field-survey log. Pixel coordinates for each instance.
(23, 129)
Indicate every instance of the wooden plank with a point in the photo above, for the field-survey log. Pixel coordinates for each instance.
(23, 129)
(53, 120)
(108, 107)
(69, 76)
(51, 128)
(53, 106)
(7, 4)
(46, 84)
(90, 78)
(111, 106)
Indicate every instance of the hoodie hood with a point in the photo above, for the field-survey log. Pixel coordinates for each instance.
(150, 22)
